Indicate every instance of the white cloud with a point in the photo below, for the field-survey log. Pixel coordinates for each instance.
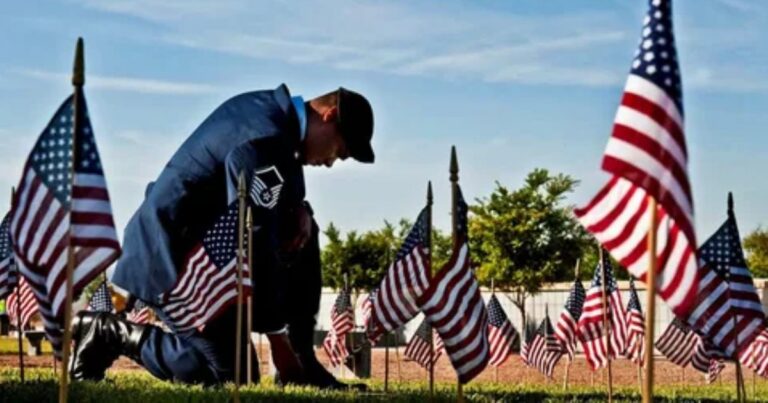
(399, 38)
(125, 84)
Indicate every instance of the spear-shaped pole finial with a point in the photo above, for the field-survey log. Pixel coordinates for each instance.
(454, 169)
(730, 203)
(78, 73)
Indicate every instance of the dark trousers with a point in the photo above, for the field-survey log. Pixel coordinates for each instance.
(208, 357)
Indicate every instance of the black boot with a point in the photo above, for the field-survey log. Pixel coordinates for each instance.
(100, 338)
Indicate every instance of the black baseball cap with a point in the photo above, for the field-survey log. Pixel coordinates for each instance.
(355, 120)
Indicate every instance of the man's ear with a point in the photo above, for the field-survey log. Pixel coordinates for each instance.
(329, 115)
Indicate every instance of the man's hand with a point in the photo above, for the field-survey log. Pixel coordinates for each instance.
(303, 219)
(286, 362)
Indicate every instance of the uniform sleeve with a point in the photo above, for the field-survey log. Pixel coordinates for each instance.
(274, 180)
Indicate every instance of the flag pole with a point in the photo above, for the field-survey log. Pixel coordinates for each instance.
(431, 370)
(240, 262)
(650, 303)
(387, 337)
(740, 388)
(454, 178)
(78, 80)
(18, 306)
(606, 325)
(388, 340)
(568, 366)
(249, 300)
(495, 367)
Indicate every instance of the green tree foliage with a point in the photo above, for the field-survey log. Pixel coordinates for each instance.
(756, 248)
(526, 237)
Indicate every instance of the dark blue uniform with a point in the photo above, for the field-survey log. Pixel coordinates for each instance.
(250, 133)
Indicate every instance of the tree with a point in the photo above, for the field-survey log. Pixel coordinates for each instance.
(524, 238)
(756, 247)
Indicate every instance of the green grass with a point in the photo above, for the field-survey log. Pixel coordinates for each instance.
(41, 386)
(10, 345)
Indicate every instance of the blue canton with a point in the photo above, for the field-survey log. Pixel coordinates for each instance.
(656, 56)
(220, 242)
(5, 237)
(723, 249)
(417, 236)
(575, 302)
(634, 301)
(52, 155)
(496, 315)
(610, 281)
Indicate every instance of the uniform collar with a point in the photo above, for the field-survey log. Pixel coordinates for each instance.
(301, 112)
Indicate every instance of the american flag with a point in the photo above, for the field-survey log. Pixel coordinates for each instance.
(342, 322)
(677, 342)
(454, 307)
(49, 214)
(367, 308)
(21, 304)
(208, 283)
(635, 327)
(418, 348)
(591, 327)
(396, 301)
(755, 356)
(566, 327)
(728, 311)
(139, 314)
(8, 274)
(525, 344)
(706, 359)
(501, 333)
(544, 349)
(647, 156)
(101, 300)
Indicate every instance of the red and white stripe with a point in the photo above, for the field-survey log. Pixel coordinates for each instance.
(635, 337)
(565, 331)
(139, 316)
(755, 356)
(713, 316)
(619, 218)
(591, 330)
(42, 228)
(542, 356)
(454, 307)
(336, 348)
(21, 304)
(202, 291)
(677, 344)
(419, 350)
(501, 340)
(396, 301)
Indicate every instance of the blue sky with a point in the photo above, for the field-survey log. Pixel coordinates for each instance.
(514, 85)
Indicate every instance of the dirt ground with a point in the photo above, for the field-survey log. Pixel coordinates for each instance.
(512, 371)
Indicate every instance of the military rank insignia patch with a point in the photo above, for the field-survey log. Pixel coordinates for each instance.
(265, 187)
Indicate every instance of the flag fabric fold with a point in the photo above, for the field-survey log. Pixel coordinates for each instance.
(648, 158)
(342, 322)
(53, 210)
(207, 284)
(419, 349)
(566, 328)
(395, 301)
(592, 324)
(635, 327)
(454, 307)
(501, 333)
(8, 273)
